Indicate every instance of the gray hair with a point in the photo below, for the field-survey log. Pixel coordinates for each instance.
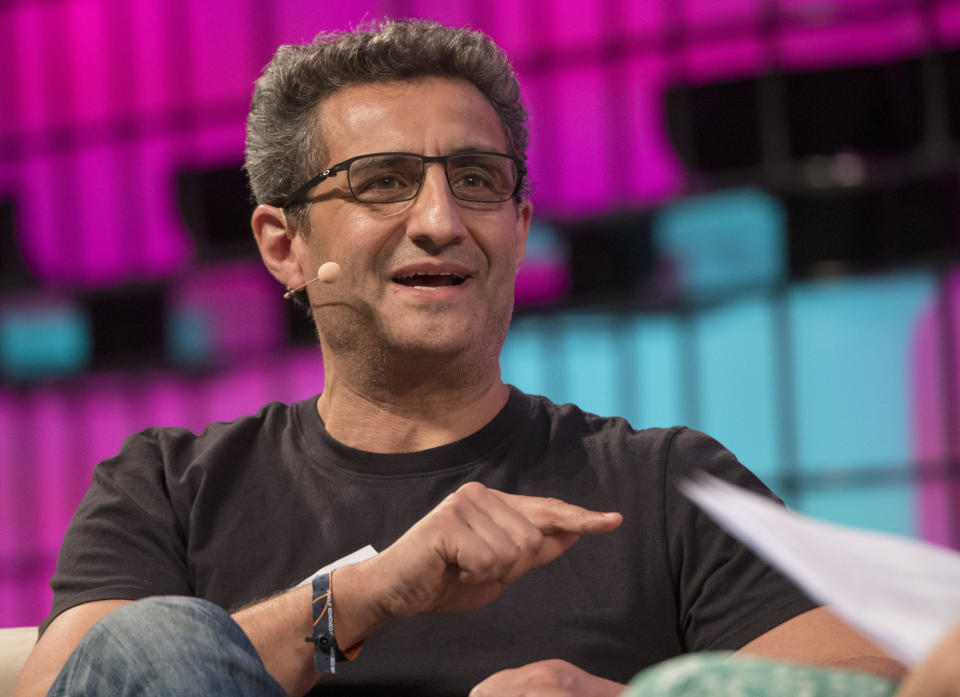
(283, 147)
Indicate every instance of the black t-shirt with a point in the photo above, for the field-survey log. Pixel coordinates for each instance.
(254, 506)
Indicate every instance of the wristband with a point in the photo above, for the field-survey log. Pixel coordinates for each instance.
(326, 652)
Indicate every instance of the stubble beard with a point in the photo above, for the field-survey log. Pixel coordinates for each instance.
(372, 354)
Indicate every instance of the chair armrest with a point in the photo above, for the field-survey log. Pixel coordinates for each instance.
(16, 643)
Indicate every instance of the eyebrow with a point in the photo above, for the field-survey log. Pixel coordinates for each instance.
(474, 148)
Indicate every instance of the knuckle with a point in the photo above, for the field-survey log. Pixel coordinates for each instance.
(532, 540)
(545, 674)
(448, 509)
(470, 489)
(485, 558)
(510, 555)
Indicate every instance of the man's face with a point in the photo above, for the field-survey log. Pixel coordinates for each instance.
(434, 275)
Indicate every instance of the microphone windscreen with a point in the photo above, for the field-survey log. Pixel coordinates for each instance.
(329, 272)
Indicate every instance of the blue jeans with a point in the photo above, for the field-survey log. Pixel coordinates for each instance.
(166, 646)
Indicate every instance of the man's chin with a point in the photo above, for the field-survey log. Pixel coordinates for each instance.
(437, 347)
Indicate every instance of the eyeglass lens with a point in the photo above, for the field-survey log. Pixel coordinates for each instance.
(472, 177)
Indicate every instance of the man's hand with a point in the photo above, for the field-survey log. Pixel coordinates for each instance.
(463, 553)
(553, 678)
(459, 557)
(939, 674)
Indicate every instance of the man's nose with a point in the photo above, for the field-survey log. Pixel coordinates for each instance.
(434, 217)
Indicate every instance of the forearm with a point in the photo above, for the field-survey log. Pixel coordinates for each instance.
(457, 558)
(884, 666)
(277, 628)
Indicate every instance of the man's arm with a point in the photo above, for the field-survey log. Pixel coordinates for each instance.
(459, 557)
(57, 643)
(816, 637)
(939, 674)
(821, 638)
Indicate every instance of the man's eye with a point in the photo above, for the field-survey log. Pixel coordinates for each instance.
(383, 182)
(473, 180)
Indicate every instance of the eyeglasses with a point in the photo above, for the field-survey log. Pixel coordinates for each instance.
(392, 177)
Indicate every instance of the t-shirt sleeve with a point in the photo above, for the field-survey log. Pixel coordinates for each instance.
(727, 596)
(125, 540)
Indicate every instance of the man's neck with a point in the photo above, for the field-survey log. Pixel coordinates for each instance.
(378, 418)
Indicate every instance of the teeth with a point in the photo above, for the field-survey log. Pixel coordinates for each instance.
(423, 279)
(430, 273)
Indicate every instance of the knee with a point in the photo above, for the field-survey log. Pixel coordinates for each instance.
(174, 622)
(162, 646)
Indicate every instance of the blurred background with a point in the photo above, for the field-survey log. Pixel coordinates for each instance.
(746, 221)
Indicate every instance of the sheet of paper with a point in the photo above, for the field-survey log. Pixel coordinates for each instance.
(352, 558)
(903, 594)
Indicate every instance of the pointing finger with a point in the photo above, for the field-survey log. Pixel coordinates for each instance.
(553, 516)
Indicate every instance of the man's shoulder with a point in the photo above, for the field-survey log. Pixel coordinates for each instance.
(680, 448)
(571, 418)
(179, 447)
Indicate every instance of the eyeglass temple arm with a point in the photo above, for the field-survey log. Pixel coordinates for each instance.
(298, 194)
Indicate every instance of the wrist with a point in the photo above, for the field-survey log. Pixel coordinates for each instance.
(358, 613)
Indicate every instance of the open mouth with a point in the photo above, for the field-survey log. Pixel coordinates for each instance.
(430, 280)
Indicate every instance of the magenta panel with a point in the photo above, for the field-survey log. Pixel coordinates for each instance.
(576, 23)
(931, 445)
(598, 138)
(698, 14)
(509, 25)
(166, 243)
(541, 282)
(9, 97)
(113, 410)
(885, 39)
(98, 257)
(9, 598)
(583, 116)
(213, 146)
(305, 376)
(646, 20)
(650, 170)
(744, 56)
(543, 153)
(240, 303)
(52, 453)
(220, 38)
(9, 474)
(242, 390)
(151, 46)
(171, 400)
(8, 180)
(34, 599)
(34, 30)
(948, 23)
(90, 68)
(819, 12)
(298, 21)
(456, 13)
(42, 248)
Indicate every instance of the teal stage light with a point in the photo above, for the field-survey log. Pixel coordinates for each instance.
(41, 339)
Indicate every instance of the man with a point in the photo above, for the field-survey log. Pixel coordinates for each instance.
(474, 493)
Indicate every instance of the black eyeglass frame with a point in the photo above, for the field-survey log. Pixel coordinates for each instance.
(297, 196)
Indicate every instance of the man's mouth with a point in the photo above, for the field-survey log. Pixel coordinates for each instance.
(430, 280)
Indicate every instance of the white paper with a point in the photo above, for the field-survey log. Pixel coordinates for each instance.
(352, 558)
(901, 593)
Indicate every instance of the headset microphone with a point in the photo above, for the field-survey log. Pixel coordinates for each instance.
(328, 272)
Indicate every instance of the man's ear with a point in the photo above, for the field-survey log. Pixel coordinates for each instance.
(278, 242)
(524, 216)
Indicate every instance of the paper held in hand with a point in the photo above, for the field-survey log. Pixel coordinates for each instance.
(902, 594)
